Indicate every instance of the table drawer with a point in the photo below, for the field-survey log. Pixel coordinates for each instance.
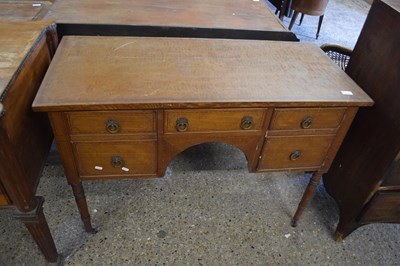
(116, 158)
(294, 152)
(203, 120)
(306, 118)
(384, 207)
(113, 122)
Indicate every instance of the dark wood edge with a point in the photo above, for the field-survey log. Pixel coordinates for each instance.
(371, 202)
(45, 107)
(167, 31)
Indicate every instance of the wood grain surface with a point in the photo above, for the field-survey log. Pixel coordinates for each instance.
(93, 73)
(16, 40)
(248, 14)
(24, 10)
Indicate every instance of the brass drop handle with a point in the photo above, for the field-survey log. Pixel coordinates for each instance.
(112, 126)
(182, 124)
(247, 123)
(295, 155)
(117, 161)
(307, 122)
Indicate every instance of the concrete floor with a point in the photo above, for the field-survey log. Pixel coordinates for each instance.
(207, 210)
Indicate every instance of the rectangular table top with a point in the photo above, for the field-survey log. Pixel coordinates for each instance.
(17, 39)
(96, 73)
(246, 15)
(23, 10)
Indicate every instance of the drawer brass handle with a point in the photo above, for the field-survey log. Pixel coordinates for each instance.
(112, 126)
(295, 155)
(307, 122)
(182, 124)
(117, 161)
(247, 123)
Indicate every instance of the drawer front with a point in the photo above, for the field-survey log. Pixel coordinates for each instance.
(116, 158)
(306, 118)
(121, 122)
(384, 207)
(203, 120)
(294, 152)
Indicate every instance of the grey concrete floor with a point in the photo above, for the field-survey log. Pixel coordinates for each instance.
(207, 210)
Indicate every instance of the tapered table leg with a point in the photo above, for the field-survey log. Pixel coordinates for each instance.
(307, 196)
(82, 206)
(37, 225)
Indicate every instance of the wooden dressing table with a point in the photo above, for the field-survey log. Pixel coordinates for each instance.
(123, 107)
(173, 18)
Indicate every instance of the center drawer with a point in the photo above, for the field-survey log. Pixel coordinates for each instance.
(115, 157)
(205, 120)
(112, 122)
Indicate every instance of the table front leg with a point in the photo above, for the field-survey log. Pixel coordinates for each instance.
(307, 196)
(80, 199)
(36, 223)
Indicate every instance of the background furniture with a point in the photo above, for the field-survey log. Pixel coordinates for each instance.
(282, 7)
(174, 18)
(339, 54)
(308, 7)
(365, 176)
(25, 137)
(23, 10)
(127, 106)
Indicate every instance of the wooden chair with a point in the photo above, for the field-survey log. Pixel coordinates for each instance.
(282, 7)
(339, 54)
(308, 7)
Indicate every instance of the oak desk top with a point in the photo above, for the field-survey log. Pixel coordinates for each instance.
(173, 18)
(208, 13)
(93, 73)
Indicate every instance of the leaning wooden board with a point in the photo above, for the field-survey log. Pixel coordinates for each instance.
(26, 49)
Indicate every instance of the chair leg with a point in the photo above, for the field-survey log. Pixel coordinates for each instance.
(301, 18)
(321, 18)
(295, 14)
(276, 11)
(284, 7)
